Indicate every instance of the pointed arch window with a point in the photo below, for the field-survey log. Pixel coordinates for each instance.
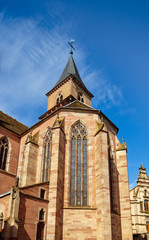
(146, 205)
(47, 155)
(78, 179)
(3, 152)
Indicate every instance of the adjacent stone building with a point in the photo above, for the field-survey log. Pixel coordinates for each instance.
(139, 199)
(66, 176)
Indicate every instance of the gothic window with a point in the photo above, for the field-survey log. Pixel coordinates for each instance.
(78, 184)
(46, 155)
(80, 97)
(146, 205)
(41, 215)
(59, 98)
(40, 226)
(3, 152)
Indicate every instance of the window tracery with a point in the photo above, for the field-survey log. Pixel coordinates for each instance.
(78, 185)
(47, 155)
(80, 97)
(59, 98)
(3, 152)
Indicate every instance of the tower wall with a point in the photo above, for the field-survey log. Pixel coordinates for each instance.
(125, 211)
(65, 89)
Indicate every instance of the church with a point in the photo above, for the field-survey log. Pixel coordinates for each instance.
(66, 176)
(139, 201)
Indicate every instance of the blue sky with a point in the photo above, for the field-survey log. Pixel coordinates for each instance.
(112, 56)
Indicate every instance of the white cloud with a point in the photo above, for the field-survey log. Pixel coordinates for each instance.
(32, 60)
(132, 185)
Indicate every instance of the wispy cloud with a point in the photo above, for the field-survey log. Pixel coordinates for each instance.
(32, 59)
(104, 91)
(132, 185)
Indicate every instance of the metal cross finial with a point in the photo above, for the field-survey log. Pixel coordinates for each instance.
(72, 47)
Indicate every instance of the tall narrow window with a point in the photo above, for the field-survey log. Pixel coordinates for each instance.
(46, 155)
(78, 185)
(3, 152)
(146, 205)
(141, 206)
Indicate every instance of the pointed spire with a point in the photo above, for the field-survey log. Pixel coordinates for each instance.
(70, 69)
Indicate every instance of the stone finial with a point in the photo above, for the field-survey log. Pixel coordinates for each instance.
(32, 139)
(143, 168)
(122, 146)
(101, 126)
(58, 122)
(142, 176)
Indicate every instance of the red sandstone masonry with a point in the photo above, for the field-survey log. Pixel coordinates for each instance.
(34, 190)
(76, 222)
(29, 216)
(4, 204)
(102, 181)
(6, 181)
(124, 195)
(13, 140)
(79, 224)
(54, 225)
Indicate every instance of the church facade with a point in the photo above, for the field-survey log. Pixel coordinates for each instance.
(66, 176)
(139, 200)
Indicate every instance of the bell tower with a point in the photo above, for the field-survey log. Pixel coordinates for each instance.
(68, 88)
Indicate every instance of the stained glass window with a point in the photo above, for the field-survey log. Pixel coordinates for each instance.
(3, 152)
(78, 181)
(46, 155)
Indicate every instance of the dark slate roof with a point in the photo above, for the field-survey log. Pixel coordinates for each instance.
(11, 124)
(70, 69)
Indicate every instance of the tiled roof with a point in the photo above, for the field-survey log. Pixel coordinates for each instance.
(11, 124)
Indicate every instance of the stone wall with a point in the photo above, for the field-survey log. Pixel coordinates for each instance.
(29, 216)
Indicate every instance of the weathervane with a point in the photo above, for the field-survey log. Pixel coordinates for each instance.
(72, 47)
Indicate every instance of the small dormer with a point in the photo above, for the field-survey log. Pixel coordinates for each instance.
(69, 87)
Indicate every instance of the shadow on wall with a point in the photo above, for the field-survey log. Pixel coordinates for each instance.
(7, 233)
(115, 195)
(12, 232)
(22, 233)
(140, 237)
